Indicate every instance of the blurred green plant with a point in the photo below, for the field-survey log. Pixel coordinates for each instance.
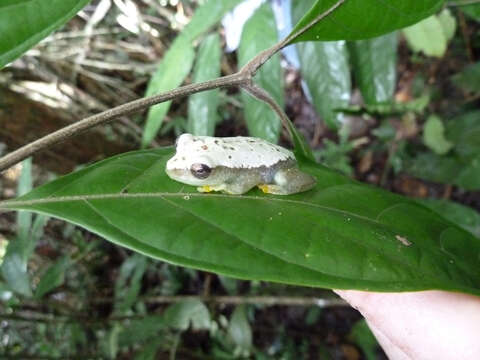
(152, 205)
(335, 155)
(461, 165)
(361, 335)
(432, 35)
(469, 79)
(14, 268)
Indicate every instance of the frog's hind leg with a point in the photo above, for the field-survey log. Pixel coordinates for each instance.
(289, 181)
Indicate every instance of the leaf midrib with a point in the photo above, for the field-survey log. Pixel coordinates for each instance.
(12, 204)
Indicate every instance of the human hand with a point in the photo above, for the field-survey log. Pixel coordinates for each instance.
(421, 325)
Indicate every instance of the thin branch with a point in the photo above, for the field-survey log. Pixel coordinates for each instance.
(239, 300)
(28, 356)
(466, 36)
(109, 115)
(463, 3)
(264, 96)
(157, 300)
(242, 77)
(264, 300)
(261, 94)
(253, 65)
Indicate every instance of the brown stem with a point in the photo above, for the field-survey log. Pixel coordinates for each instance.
(463, 3)
(109, 115)
(239, 300)
(264, 300)
(243, 77)
(262, 95)
(252, 66)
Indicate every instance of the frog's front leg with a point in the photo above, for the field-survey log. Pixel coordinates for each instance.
(289, 181)
(210, 188)
(233, 189)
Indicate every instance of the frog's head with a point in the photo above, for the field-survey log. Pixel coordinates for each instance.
(193, 163)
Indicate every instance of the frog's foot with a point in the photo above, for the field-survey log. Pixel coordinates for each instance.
(224, 188)
(210, 188)
(289, 181)
(272, 189)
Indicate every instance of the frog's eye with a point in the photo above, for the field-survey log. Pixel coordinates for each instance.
(200, 171)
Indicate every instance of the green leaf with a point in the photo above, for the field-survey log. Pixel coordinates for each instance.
(14, 261)
(230, 285)
(206, 16)
(469, 78)
(462, 167)
(434, 136)
(374, 66)
(324, 66)
(363, 337)
(128, 283)
(463, 216)
(447, 170)
(53, 277)
(390, 109)
(362, 19)
(149, 351)
(464, 132)
(24, 218)
(259, 33)
(142, 330)
(25, 23)
(14, 270)
(111, 343)
(3, 248)
(428, 37)
(239, 330)
(202, 107)
(472, 10)
(185, 313)
(335, 156)
(178, 61)
(6, 295)
(341, 234)
(448, 22)
(301, 148)
(173, 69)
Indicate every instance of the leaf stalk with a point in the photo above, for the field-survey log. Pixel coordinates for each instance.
(243, 78)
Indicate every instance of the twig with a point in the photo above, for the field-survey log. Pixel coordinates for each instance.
(253, 65)
(466, 36)
(219, 300)
(212, 299)
(240, 300)
(264, 96)
(261, 94)
(28, 356)
(463, 3)
(109, 115)
(243, 77)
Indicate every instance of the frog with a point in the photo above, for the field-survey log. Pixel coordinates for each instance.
(235, 165)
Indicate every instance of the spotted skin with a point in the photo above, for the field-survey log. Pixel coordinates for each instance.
(236, 165)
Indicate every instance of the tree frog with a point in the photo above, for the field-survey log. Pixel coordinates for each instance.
(234, 165)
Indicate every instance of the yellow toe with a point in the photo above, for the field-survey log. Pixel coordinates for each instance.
(264, 188)
(205, 188)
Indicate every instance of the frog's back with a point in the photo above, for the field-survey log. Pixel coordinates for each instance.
(236, 152)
